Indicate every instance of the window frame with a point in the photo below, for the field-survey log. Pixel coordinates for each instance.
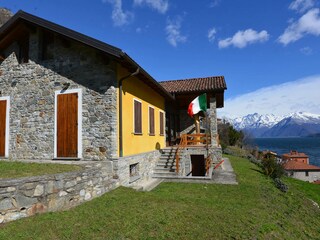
(153, 121)
(135, 128)
(161, 122)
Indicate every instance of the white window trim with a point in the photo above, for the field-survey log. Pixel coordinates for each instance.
(59, 92)
(154, 120)
(133, 119)
(164, 123)
(6, 147)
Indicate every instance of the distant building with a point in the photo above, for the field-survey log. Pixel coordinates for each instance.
(296, 156)
(302, 171)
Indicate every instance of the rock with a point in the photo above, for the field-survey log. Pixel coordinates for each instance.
(6, 204)
(38, 191)
(87, 196)
(23, 201)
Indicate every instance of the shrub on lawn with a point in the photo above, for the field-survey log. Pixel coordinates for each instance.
(272, 169)
(270, 166)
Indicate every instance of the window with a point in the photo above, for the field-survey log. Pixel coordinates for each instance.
(307, 174)
(134, 172)
(137, 117)
(151, 121)
(161, 123)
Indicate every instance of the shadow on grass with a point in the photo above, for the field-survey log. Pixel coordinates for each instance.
(257, 170)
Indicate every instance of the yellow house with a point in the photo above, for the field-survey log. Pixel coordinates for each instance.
(143, 123)
(67, 96)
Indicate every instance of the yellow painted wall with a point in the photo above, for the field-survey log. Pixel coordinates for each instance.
(133, 88)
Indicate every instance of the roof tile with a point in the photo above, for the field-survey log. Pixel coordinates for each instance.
(195, 84)
(294, 165)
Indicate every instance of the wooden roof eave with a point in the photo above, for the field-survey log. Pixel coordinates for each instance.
(132, 66)
(106, 48)
(39, 22)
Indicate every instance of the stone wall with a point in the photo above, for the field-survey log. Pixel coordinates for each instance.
(187, 123)
(301, 175)
(212, 113)
(31, 195)
(145, 166)
(31, 87)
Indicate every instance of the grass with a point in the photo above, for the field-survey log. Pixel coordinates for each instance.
(19, 169)
(254, 209)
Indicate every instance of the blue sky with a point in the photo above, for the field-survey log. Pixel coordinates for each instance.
(268, 51)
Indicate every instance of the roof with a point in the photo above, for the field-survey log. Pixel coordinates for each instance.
(195, 85)
(295, 154)
(299, 166)
(120, 55)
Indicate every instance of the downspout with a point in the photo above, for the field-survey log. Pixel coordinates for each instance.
(120, 109)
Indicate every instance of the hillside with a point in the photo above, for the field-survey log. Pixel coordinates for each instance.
(254, 209)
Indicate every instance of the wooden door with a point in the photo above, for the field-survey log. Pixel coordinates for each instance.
(67, 125)
(3, 117)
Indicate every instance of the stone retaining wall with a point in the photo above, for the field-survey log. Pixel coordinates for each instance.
(25, 197)
(145, 164)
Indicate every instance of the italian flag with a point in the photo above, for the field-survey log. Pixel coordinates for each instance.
(198, 104)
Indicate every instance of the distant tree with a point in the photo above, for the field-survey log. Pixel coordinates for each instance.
(235, 137)
(229, 136)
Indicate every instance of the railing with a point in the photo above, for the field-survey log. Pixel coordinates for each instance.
(208, 164)
(190, 140)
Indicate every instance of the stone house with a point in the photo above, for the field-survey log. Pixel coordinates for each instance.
(302, 171)
(66, 96)
(295, 155)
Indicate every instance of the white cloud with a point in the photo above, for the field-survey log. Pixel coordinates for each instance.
(242, 38)
(214, 3)
(309, 23)
(173, 31)
(159, 5)
(302, 5)
(212, 34)
(119, 16)
(306, 50)
(301, 95)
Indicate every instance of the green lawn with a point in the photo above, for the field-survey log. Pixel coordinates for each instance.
(254, 209)
(19, 169)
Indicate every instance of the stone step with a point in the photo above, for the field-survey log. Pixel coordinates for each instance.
(167, 159)
(163, 164)
(164, 174)
(161, 168)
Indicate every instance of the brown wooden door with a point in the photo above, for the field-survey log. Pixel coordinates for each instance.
(67, 125)
(3, 116)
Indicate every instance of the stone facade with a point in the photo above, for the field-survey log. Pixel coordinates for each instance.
(144, 164)
(304, 175)
(212, 114)
(187, 123)
(32, 86)
(28, 196)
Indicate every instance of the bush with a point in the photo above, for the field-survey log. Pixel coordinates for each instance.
(271, 168)
(280, 185)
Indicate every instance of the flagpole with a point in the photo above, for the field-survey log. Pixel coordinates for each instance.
(197, 126)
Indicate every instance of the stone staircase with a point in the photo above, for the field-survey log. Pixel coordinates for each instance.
(166, 166)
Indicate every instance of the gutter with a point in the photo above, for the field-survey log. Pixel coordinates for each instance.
(120, 109)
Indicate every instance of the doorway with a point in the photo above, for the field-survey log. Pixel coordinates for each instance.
(198, 165)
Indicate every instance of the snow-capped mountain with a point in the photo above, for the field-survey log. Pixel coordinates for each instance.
(297, 124)
(256, 120)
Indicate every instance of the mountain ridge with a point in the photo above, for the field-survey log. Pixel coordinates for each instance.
(297, 124)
